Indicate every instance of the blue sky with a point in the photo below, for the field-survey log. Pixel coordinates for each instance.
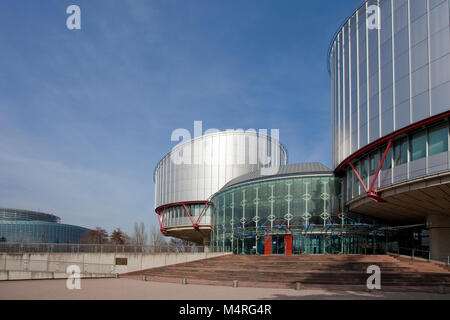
(85, 115)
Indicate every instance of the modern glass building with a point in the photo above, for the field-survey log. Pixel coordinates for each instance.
(390, 89)
(390, 179)
(297, 211)
(23, 226)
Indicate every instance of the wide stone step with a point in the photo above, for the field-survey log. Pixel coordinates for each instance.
(285, 271)
(315, 280)
(269, 276)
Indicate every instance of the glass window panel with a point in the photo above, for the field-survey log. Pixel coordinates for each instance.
(421, 106)
(387, 164)
(402, 90)
(418, 8)
(419, 55)
(418, 145)
(373, 85)
(401, 42)
(363, 135)
(386, 29)
(400, 15)
(387, 121)
(401, 152)
(402, 115)
(439, 44)
(374, 129)
(386, 75)
(402, 65)
(374, 162)
(438, 140)
(419, 30)
(439, 17)
(438, 75)
(386, 52)
(440, 101)
(386, 99)
(386, 8)
(419, 81)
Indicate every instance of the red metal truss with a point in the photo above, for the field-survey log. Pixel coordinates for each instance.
(381, 165)
(359, 177)
(371, 192)
(161, 221)
(195, 224)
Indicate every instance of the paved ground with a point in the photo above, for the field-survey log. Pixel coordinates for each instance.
(122, 289)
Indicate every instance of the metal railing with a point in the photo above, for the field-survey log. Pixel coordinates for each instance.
(6, 247)
(54, 266)
(419, 254)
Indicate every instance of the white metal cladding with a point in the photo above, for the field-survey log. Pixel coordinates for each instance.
(384, 80)
(216, 159)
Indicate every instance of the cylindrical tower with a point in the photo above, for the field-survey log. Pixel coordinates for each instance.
(390, 92)
(193, 171)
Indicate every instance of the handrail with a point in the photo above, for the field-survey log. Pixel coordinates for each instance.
(25, 264)
(7, 247)
(423, 254)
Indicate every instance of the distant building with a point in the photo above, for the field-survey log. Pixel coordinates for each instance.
(23, 226)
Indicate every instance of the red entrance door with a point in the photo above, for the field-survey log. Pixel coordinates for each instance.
(288, 244)
(268, 245)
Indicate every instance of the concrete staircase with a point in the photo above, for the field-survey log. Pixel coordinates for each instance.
(312, 271)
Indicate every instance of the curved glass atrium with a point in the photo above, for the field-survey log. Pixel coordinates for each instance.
(296, 213)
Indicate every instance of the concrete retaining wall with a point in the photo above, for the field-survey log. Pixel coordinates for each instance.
(54, 265)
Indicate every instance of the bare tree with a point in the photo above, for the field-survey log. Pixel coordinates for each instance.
(181, 242)
(119, 237)
(156, 237)
(97, 236)
(140, 236)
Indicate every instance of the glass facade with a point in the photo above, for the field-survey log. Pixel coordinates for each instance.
(39, 232)
(22, 226)
(290, 215)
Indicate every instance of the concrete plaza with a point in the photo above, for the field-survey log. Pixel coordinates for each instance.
(123, 289)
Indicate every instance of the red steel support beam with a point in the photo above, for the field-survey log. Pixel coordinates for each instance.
(161, 222)
(190, 217)
(380, 166)
(359, 177)
(206, 204)
(164, 215)
(371, 192)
